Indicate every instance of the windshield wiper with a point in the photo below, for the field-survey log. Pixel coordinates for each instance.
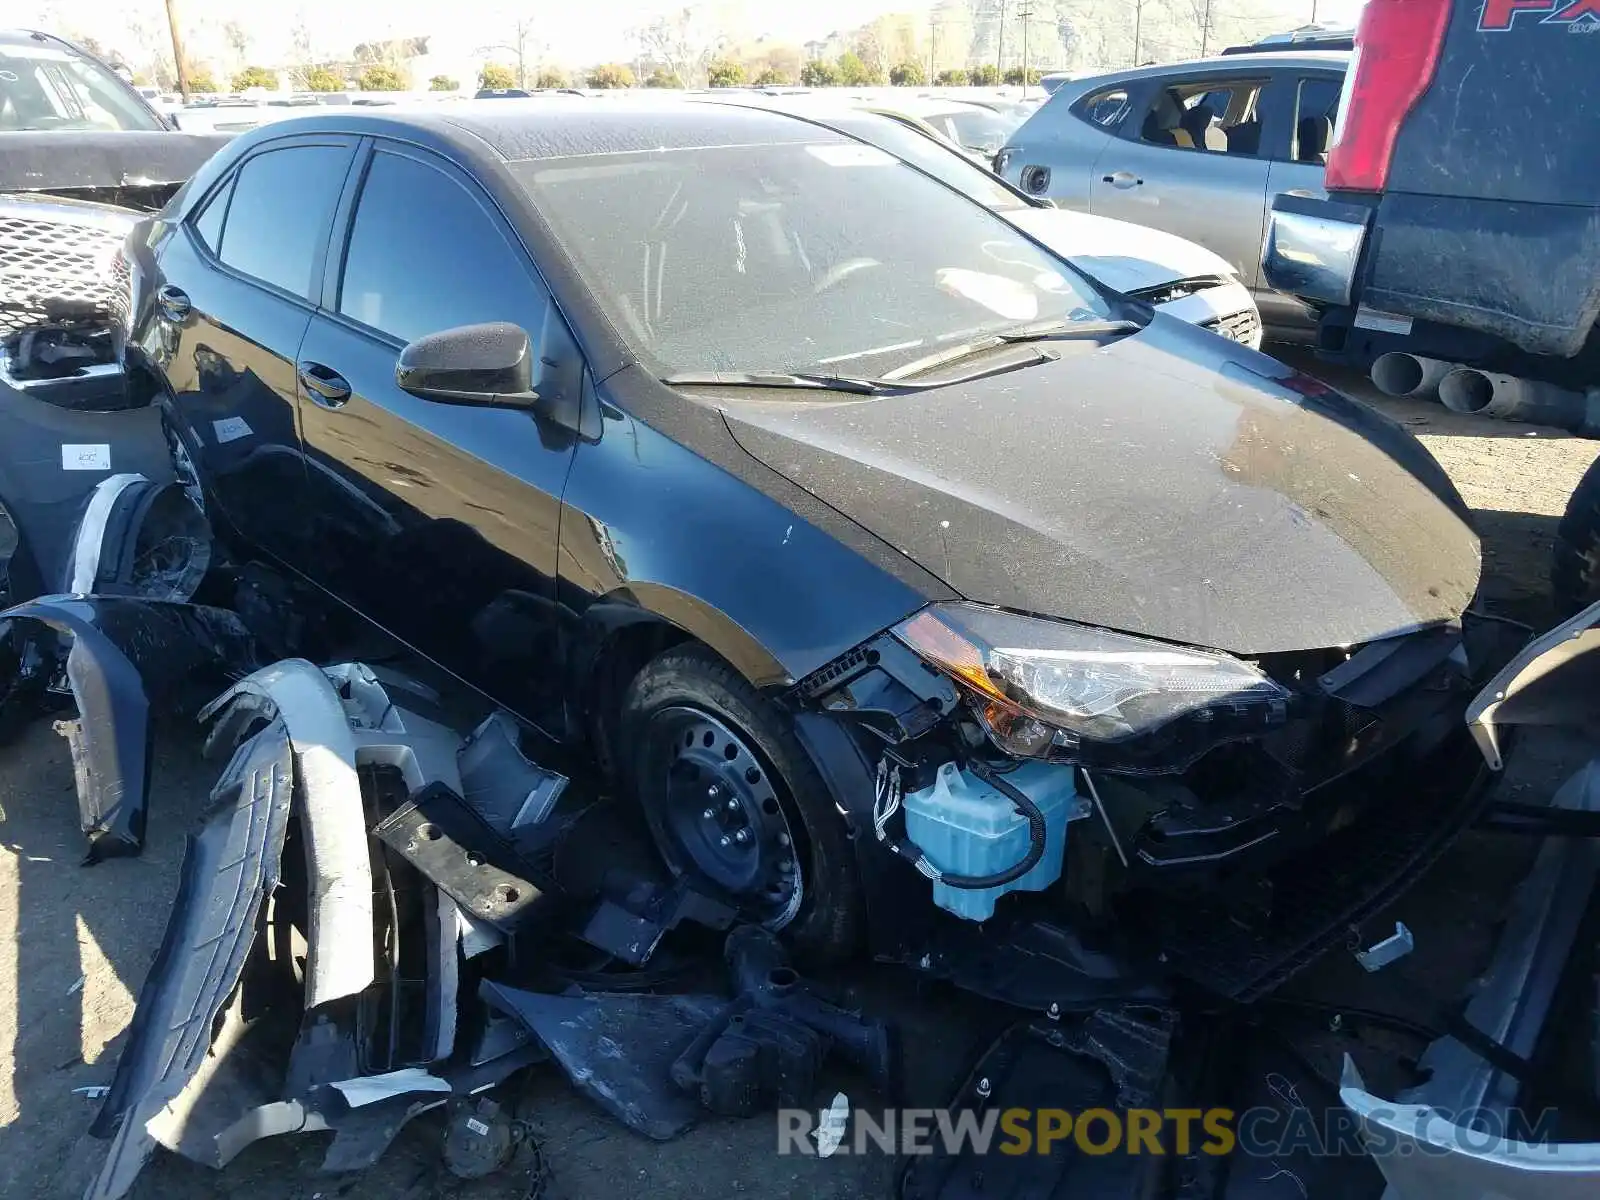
(779, 379)
(1045, 331)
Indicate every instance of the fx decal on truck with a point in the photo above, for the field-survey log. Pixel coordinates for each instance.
(1579, 16)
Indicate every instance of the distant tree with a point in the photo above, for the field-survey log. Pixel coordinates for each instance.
(987, 75)
(819, 74)
(253, 77)
(1015, 77)
(140, 79)
(907, 74)
(663, 78)
(443, 83)
(954, 77)
(320, 79)
(202, 81)
(552, 77)
(773, 77)
(381, 78)
(855, 73)
(493, 75)
(611, 75)
(724, 73)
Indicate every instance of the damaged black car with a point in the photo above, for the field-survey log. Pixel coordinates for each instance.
(927, 597)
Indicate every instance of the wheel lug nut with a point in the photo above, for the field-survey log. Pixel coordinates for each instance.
(713, 791)
(742, 836)
(786, 866)
(709, 813)
(724, 840)
(783, 839)
(733, 806)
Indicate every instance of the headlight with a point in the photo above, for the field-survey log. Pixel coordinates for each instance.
(1053, 689)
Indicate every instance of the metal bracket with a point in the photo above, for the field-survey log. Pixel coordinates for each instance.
(1392, 949)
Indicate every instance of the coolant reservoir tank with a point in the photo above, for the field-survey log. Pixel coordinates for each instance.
(967, 827)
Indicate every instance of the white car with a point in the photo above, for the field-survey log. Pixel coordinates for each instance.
(1177, 276)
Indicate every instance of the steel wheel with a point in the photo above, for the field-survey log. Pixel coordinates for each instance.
(718, 814)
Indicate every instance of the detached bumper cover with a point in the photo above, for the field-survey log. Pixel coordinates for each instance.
(231, 866)
(1313, 248)
(1456, 1136)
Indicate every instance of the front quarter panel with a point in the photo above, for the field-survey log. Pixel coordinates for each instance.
(686, 528)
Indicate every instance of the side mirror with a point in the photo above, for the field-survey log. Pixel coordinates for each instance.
(479, 365)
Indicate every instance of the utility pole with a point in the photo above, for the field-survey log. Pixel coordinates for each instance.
(178, 60)
(1025, 15)
(1205, 27)
(1000, 54)
(1138, 23)
(933, 48)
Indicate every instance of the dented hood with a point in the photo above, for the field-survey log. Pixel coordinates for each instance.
(73, 160)
(1170, 484)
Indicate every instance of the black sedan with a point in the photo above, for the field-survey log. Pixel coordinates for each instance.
(850, 528)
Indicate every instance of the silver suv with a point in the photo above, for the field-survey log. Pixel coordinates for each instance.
(1196, 149)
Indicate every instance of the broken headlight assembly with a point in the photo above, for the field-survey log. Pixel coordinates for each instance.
(1054, 690)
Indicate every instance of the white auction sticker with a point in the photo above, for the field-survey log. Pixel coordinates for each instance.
(231, 429)
(85, 457)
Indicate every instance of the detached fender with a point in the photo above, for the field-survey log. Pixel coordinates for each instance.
(124, 649)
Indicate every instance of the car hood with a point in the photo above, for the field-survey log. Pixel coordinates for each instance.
(1169, 484)
(77, 160)
(1125, 257)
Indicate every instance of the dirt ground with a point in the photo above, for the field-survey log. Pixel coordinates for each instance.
(75, 942)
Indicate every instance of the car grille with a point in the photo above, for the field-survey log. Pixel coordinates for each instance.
(57, 259)
(1241, 326)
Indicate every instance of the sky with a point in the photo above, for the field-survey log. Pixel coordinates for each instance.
(594, 30)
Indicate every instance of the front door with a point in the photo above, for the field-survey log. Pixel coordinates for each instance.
(1190, 164)
(232, 306)
(438, 522)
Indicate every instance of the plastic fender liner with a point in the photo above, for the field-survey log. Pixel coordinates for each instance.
(110, 738)
(139, 538)
(230, 867)
(125, 649)
(339, 959)
(1553, 680)
(1423, 1154)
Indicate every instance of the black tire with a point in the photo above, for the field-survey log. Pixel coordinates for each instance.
(1575, 568)
(827, 926)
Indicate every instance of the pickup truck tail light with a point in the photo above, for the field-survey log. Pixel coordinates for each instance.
(1397, 52)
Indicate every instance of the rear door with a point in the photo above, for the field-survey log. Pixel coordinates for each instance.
(1187, 160)
(438, 522)
(232, 306)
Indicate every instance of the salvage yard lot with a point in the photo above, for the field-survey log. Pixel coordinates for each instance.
(75, 942)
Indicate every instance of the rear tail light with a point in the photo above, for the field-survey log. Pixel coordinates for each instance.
(1397, 54)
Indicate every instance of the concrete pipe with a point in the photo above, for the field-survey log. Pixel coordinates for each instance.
(1401, 374)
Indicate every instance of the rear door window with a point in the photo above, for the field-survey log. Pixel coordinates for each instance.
(278, 220)
(1209, 116)
(1316, 110)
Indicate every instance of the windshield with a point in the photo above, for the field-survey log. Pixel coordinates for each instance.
(822, 256)
(940, 159)
(44, 87)
(978, 128)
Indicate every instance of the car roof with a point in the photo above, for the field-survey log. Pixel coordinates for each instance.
(518, 130)
(1234, 63)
